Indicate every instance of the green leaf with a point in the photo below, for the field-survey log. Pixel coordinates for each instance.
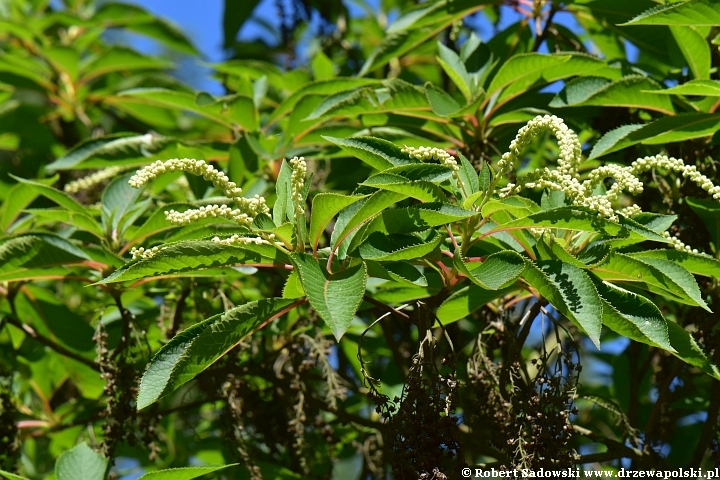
(421, 190)
(34, 255)
(376, 152)
(402, 272)
(321, 87)
(415, 27)
(121, 59)
(398, 246)
(322, 67)
(495, 272)
(688, 350)
(138, 20)
(653, 274)
(227, 111)
(368, 209)
(193, 350)
(441, 102)
(107, 144)
(696, 263)
(708, 88)
(567, 218)
(518, 207)
(709, 213)
(463, 302)
(185, 473)
(578, 64)
(195, 255)
(468, 176)
(336, 297)
(630, 91)
(61, 198)
(521, 66)
(18, 197)
(324, 208)
(668, 129)
(485, 177)
(572, 293)
(632, 315)
(11, 476)
(417, 217)
(283, 207)
(428, 172)
(655, 222)
(82, 221)
(81, 462)
(695, 50)
(692, 13)
(117, 200)
(455, 69)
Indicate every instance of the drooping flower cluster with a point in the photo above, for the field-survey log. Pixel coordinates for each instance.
(565, 177)
(189, 165)
(238, 239)
(91, 180)
(570, 148)
(245, 217)
(248, 209)
(297, 182)
(425, 154)
(142, 253)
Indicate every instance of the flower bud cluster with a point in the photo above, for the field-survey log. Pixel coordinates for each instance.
(676, 165)
(425, 154)
(631, 210)
(253, 206)
(238, 239)
(142, 253)
(677, 244)
(297, 182)
(570, 148)
(196, 167)
(91, 180)
(564, 178)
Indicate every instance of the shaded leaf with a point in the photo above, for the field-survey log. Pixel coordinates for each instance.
(572, 293)
(193, 350)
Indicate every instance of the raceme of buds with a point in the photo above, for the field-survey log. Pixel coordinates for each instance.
(248, 209)
(570, 148)
(142, 253)
(564, 178)
(238, 239)
(297, 182)
(244, 216)
(438, 154)
(196, 167)
(91, 180)
(425, 154)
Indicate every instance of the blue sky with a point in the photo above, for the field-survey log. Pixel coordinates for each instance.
(204, 27)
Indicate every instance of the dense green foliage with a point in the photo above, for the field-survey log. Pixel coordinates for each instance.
(393, 259)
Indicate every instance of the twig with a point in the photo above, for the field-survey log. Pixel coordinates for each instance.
(541, 38)
(29, 331)
(387, 308)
